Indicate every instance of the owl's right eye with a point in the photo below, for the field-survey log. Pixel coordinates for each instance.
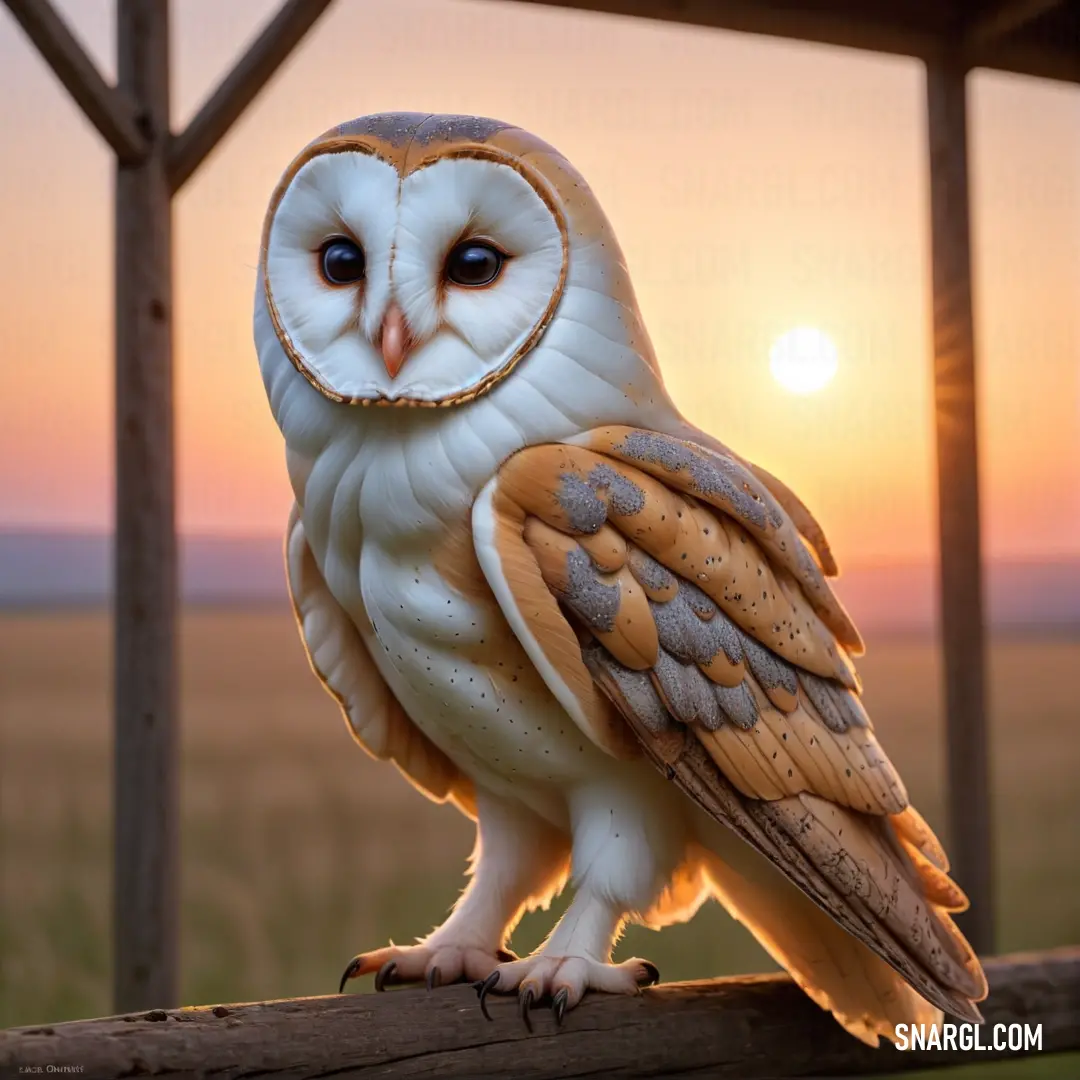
(341, 261)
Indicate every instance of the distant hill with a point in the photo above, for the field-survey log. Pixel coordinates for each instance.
(1020, 595)
(57, 569)
(54, 569)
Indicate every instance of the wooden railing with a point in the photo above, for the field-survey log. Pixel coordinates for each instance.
(757, 1026)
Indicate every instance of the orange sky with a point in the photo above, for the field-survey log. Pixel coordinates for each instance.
(754, 184)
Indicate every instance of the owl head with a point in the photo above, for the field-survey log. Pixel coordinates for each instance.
(417, 260)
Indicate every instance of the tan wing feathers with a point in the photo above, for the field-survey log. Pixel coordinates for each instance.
(912, 829)
(866, 995)
(683, 759)
(939, 887)
(612, 605)
(658, 582)
(633, 632)
(577, 491)
(686, 692)
(531, 606)
(837, 706)
(845, 848)
(606, 547)
(765, 730)
(794, 752)
(708, 670)
(801, 518)
(775, 676)
(698, 634)
(722, 481)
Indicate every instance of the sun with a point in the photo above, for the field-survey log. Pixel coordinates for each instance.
(803, 360)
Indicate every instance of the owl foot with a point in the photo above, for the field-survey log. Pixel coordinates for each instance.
(563, 980)
(431, 962)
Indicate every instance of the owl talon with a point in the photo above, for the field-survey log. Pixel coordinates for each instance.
(652, 973)
(384, 974)
(525, 1002)
(483, 988)
(558, 1005)
(433, 978)
(351, 971)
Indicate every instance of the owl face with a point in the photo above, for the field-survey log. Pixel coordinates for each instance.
(412, 261)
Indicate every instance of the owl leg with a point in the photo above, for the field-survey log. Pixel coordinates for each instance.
(519, 862)
(629, 839)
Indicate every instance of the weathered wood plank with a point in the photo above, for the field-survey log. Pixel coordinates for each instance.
(959, 545)
(146, 800)
(239, 88)
(106, 107)
(746, 1027)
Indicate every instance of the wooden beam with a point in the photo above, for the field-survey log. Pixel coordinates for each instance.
(108, 109)
(1005, 17)
(1058, 60)
(753, 1026)
(848, 26)
(960, 555)
(239, 88)
(923, 31)
(146, 802)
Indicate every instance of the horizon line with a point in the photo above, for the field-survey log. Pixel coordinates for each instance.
(98, 533)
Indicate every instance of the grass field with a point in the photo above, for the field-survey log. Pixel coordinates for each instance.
(298, 850)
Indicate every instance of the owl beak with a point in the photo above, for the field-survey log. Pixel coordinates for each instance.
(394, 339)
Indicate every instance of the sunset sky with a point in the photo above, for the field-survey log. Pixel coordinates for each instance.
(755, 186)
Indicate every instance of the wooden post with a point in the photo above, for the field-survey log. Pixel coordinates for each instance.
(960, 580)
(146, 692)
(133, 117)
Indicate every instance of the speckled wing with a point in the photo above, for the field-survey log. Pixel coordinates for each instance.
(340, 659)
(675, 577)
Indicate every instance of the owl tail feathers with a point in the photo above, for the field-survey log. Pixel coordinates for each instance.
(837, 971)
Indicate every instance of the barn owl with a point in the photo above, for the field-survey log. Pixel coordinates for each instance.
(551, 601)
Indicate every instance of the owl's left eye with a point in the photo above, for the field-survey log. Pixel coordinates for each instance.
(341, 261)
(474, 262)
